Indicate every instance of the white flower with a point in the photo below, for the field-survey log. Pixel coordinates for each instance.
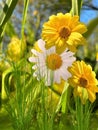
(50, 65)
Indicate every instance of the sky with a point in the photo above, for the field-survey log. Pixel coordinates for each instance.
(87, 15)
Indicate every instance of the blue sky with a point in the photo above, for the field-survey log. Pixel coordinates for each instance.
(87, 15)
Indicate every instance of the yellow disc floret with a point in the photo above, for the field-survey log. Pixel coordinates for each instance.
(53, 61)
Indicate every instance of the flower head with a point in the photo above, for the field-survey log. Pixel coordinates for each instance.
(83, 80)
(50, 65)
(16, 49)
(64, 31)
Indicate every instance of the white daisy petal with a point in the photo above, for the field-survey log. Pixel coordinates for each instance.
(57, 77)
(65, 75)
(48, 78)
(67, 53)
(32, 59)
(64, 72)
(41, 44)
(36, 53)
(35, 74)
(34, 67)
(57, 80)
(51, 50)
(68, 62)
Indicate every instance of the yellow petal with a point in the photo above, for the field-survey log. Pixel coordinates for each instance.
(75, 39)
(59, 87)
(91, 95)
(81, 28)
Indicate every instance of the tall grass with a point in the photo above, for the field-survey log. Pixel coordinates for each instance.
(82, 115)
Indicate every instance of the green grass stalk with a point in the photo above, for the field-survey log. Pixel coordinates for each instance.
(83, 112)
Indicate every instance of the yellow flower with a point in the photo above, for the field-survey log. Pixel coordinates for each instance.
(64, 31)
(83, 80)
(52, 100)
(58, 88)
(15, 49)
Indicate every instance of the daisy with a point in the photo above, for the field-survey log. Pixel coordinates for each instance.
(50, 65)
(83, 80)
(64, 31)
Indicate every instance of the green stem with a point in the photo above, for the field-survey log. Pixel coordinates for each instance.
(26, 3)
(76, 7)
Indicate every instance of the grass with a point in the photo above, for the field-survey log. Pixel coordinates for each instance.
(5, 123)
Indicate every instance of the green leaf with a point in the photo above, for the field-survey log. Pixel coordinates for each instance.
(5, 83)
(91, 26)
(63, 99)
(6, 14)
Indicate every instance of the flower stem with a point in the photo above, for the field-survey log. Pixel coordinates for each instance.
(26, 3)
(76, 7)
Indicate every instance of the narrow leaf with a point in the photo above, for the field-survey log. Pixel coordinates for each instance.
(7, 12)
(91, 26)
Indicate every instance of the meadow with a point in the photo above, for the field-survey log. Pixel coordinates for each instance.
(48, 65)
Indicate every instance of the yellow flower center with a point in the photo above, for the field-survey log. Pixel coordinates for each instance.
(64, 32)
(83, 82)
(53, 61)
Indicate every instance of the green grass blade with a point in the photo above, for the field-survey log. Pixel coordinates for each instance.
(26, 3)
(6, 14)
(91, 26)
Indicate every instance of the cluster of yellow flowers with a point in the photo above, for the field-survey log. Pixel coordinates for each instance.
(61, 35)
